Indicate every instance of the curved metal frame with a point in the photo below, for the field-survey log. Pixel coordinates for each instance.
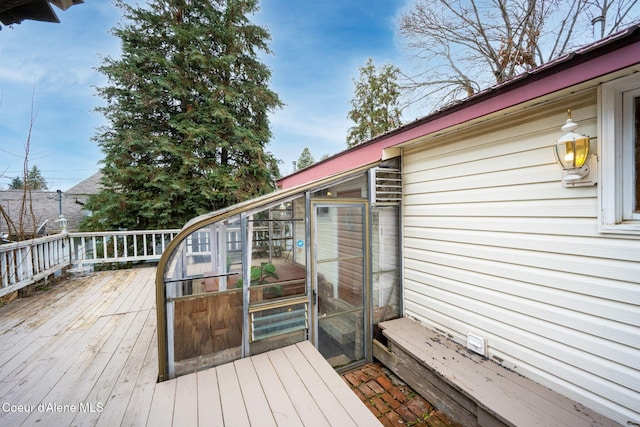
(213, 217)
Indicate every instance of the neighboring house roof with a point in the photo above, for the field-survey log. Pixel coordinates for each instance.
(606, 56)
(45, 206)
(90, 185)
(16, 11)
(40, 206)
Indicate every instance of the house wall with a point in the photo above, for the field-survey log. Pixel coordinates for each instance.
(495, 245)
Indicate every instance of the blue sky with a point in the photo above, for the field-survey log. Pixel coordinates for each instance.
(317, 49)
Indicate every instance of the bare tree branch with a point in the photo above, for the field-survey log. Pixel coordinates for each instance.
(26, 226)
(473, 44)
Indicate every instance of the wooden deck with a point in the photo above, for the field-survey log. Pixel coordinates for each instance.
(85, 353)
(292, 386)
(88, 343)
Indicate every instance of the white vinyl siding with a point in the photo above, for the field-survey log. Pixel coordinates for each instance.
(495, 245)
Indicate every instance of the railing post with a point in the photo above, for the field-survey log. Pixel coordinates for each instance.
(69, 252)
(24, 263)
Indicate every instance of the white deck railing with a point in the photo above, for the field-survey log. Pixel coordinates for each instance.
(27, 262)
(119, 246)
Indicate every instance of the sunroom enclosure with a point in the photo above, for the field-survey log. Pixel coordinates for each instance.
(318, 263)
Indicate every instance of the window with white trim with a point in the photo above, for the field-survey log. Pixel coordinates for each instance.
(620, 155)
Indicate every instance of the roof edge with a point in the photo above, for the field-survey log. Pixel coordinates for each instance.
(537, 79)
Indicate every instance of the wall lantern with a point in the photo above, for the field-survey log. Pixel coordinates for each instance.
(63, 223)
(572, 153)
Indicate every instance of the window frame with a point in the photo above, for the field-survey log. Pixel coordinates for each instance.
(617, 187)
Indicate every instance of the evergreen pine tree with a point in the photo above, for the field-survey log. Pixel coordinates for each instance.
(33, 181)
(187, 106)
(305, 159)
(375, 104)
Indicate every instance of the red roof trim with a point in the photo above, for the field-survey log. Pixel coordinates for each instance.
(601, 58)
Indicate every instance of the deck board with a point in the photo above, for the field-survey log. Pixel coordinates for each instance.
(300, 397)
(209, 407)
(41, 322)
(74, 346)
(233, 410)
(281, 406)
(127, 381)
(87, 351)
(291, 386)
(47, 380)
(162, 405)
(185, 411)
(347, 398)
(256, 403)
(322, 395)
(139, 406)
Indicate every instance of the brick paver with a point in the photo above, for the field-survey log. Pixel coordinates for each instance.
(391, 401)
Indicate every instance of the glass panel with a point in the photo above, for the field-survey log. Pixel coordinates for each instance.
(341, 337)
(352, 188)
(204, 309)
(278, 265)
(208, 260)
(385, 267)
(340, 281)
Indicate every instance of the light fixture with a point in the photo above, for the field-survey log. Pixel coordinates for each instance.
(572, 153)
(63, 223)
